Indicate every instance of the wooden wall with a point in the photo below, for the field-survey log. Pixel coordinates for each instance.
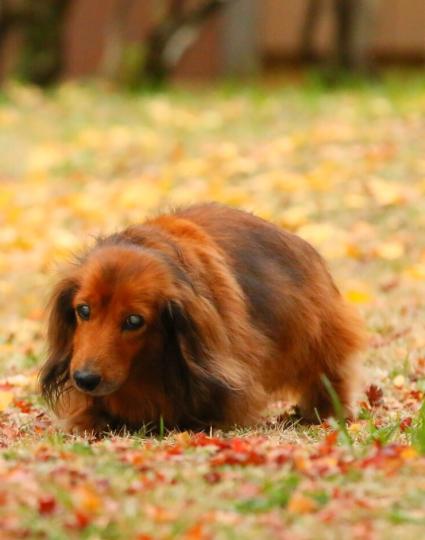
(88, 24)
(399, 34)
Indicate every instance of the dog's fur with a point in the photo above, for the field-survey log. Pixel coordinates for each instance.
(236, 310)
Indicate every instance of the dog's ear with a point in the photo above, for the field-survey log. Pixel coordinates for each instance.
(54, 374)
(196, 335)
(184, 338)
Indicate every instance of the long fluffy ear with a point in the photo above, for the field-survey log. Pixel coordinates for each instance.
(203, 342)
(54, 374)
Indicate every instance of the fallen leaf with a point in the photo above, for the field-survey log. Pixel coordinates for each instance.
(46, 504)
(300, 504)
(358, 296)
(374, 395)
(390, 251)
(6, 399)
(399, 381)
(405, 423)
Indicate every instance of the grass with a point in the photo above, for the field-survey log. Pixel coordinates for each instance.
(343, 168)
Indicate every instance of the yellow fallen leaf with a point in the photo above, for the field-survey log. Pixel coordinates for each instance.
(355, 200)
(354, 251)
(331, 241)
(160, 514)
(138, 191)
(399, 381)
(283, 181)
(387, 193)
(355, 427)
(183, 438)
(294, 217)
(63, 244)
(409, 453)
(6, 197)
(358, 296)
(87, 499)
(317, 233)
(302, 462)
(8, 116)
(321, 178)
(43, 157)
(6, 399)
(300, 504)
(416, 271)
(390, 250)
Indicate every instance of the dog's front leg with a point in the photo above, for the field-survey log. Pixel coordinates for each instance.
(86, 422)
(80, 414)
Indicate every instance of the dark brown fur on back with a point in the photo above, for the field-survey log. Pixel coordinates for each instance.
(235, 310)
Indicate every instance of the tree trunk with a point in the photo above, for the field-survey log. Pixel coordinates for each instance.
(11, 15)
(168, 41)
(312, 16)
(240, 41)
(114, 48)
(355, 20)
(42, 55)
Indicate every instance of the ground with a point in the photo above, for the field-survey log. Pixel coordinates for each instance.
(343, 168)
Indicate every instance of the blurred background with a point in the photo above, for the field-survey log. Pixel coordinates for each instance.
(148, 42)
(310, 113)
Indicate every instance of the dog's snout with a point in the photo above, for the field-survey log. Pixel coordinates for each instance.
(86, 380)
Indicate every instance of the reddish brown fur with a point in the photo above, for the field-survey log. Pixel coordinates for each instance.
(235, 308)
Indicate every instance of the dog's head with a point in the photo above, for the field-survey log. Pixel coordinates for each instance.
(127, 312)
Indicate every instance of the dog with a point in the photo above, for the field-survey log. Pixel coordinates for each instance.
(197, 318)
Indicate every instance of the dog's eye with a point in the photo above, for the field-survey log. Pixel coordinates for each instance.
(83, 311)
(133, 322)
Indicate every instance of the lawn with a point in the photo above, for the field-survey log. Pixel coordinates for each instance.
(345, 169)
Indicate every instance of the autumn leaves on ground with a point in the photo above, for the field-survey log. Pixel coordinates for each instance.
(345, 169)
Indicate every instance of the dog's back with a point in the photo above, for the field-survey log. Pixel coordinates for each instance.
(292, 300)
(271, 265)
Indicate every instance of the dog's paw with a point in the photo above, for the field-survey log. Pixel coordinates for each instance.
(83, 425)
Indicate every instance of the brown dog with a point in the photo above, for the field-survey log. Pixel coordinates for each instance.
(197, 317)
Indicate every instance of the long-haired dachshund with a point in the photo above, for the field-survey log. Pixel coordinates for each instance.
(197, 317)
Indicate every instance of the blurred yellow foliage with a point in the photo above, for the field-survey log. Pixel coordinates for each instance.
(6, 399)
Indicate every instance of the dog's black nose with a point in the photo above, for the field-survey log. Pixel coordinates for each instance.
(86, 380)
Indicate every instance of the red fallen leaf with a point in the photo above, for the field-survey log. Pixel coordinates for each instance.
(144, 537)
(420, 366)
(200, 439)
(230, 457)
(329, 443)
(405, 423)
(374, 395)
(174, 450)
(364, 530)
(281, 454)
(361, 502)
(212, 477)
(81, 520)
(327, 515)
(416, 394)
(46, 505)
(195, 533)
(365, 405)
(389, 284)
(389, 456)
(240, 445)
(344, 464)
